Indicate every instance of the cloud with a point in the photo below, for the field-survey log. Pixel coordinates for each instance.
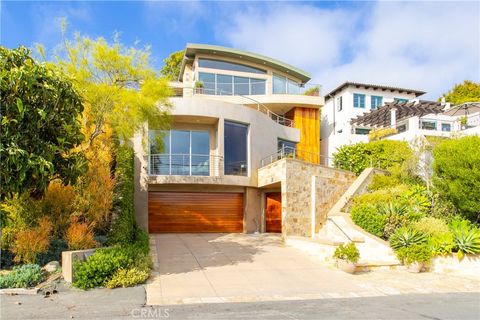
(424, 45)
(46, 19)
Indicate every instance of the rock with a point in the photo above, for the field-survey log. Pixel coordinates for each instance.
(18, 302)
(52, 266)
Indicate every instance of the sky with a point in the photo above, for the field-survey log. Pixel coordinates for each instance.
(429, 45)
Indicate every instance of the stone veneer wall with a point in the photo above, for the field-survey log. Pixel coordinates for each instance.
(297, 178)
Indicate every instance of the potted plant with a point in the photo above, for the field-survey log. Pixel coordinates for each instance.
(416, 257)
(347, 257)
(198, 87)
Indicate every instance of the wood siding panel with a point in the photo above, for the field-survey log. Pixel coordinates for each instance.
(273, 212)
(307, 120)
(175, 212)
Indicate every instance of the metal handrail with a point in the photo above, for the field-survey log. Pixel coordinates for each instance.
(307, 156)
(166, 164)
(260, 106)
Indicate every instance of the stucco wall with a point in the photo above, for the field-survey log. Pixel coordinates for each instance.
(308, 192)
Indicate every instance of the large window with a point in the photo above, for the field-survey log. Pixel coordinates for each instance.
(222, 84)
(236, 148)
(184, 152)
(376, 102)
(283, 85)
(224, 65)
(358, 100)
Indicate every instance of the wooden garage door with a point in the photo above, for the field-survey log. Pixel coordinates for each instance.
(195, 212)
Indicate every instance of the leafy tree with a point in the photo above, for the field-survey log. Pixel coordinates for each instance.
(40, 125)
(456, 177)
(119, 86)
(172, 64)
(384, 154)
(468, 91)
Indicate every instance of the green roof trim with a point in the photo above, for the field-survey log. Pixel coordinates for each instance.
(194, 48)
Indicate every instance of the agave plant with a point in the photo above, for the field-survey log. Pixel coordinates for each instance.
(466, 239)
(393, 208)
(405, 237)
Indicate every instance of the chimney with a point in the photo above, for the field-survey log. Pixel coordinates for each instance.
(393, 117)
(447, 106)
(443, 101)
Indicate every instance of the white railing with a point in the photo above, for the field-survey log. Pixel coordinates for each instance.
(184, 165)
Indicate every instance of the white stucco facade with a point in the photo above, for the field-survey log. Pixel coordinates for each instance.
(336, 130)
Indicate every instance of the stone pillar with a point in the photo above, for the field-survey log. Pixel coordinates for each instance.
(252, 220)
(141, 181)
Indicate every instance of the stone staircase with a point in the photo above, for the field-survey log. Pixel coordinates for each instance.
(338, 228)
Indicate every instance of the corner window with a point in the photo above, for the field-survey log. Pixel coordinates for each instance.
(401, 100)
(446, 127)
(359, 100)
(282, 85)
(236, 148)
(339, 104)
(376, 102)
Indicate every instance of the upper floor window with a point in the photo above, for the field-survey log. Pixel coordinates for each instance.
(339, 104)
(282, 85)
(286, 146)
(236, 148)
(222, 84)
(402, 100)
(230, 66)
(358, 100)
(376, 102)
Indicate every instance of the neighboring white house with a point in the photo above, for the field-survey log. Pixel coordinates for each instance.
(348, 101)
(421, 119)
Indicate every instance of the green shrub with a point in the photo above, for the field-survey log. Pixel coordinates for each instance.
(27, 275)
(348, 252)
(418, 199)
(383, 181)
(420, 253)
(431, 226)
(406, 237)
(127, 278)
(457, 174)
(393, 222)
(393, 208)
(466, 238)
(380, 197)
(124, 228)
(368, 218)
(441, 244)
(101, 266)
(382, 154)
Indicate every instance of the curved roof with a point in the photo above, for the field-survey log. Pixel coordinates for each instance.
(193, 48)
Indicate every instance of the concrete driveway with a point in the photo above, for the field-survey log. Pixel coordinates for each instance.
(193, 268)
(212, 268)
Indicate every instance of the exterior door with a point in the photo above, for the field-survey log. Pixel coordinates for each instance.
(185, 212)
(273, 212)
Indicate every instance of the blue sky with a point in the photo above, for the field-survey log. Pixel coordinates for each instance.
(423, 45)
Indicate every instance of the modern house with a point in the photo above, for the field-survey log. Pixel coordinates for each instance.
(243, 148)
(350, 100)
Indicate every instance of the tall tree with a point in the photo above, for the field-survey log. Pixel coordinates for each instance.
(172, 64)
(40, 124)
(468, 91)
(119, 86)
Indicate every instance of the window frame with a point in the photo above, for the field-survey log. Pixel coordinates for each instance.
(362, 101)
(247, 149)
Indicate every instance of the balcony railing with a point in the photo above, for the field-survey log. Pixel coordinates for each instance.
(258, 105)
(184, 165)
(306, 156)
